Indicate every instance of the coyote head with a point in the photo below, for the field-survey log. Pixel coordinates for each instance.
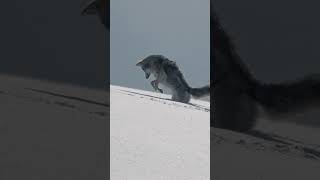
(150, 63)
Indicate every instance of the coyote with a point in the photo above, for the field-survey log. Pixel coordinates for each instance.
(168, 74)
(239, 98)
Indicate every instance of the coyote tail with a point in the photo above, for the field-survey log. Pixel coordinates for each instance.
(200, 92)
(171, 67)
(240, 93)
(290, 96)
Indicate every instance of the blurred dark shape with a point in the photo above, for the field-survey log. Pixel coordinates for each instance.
(100, 8)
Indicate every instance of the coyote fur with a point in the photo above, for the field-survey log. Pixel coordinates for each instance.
(239, 98)
(168, 74)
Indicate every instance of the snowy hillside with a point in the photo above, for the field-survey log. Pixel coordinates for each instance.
(154, 138)
(270, 151)
(52, 130)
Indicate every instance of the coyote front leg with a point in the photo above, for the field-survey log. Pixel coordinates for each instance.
(155, 84)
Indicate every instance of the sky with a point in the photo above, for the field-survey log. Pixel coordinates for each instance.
(177, 29)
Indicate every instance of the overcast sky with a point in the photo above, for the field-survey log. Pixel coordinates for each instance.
(178, 29)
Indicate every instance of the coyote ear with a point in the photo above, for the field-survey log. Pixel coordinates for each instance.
(139, 62)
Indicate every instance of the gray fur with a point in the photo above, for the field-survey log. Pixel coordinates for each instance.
(239, 99)
(168, 74)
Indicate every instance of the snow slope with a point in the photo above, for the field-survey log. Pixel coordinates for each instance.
(270, 151)
(154, 138)
(51, 130)
(58, 131)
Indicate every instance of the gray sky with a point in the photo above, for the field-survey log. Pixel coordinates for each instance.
(177, 29)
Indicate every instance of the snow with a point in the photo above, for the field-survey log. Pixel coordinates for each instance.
(153, 137)
(51, 130)
(56, 131)
(240, 156)
(270, 151)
